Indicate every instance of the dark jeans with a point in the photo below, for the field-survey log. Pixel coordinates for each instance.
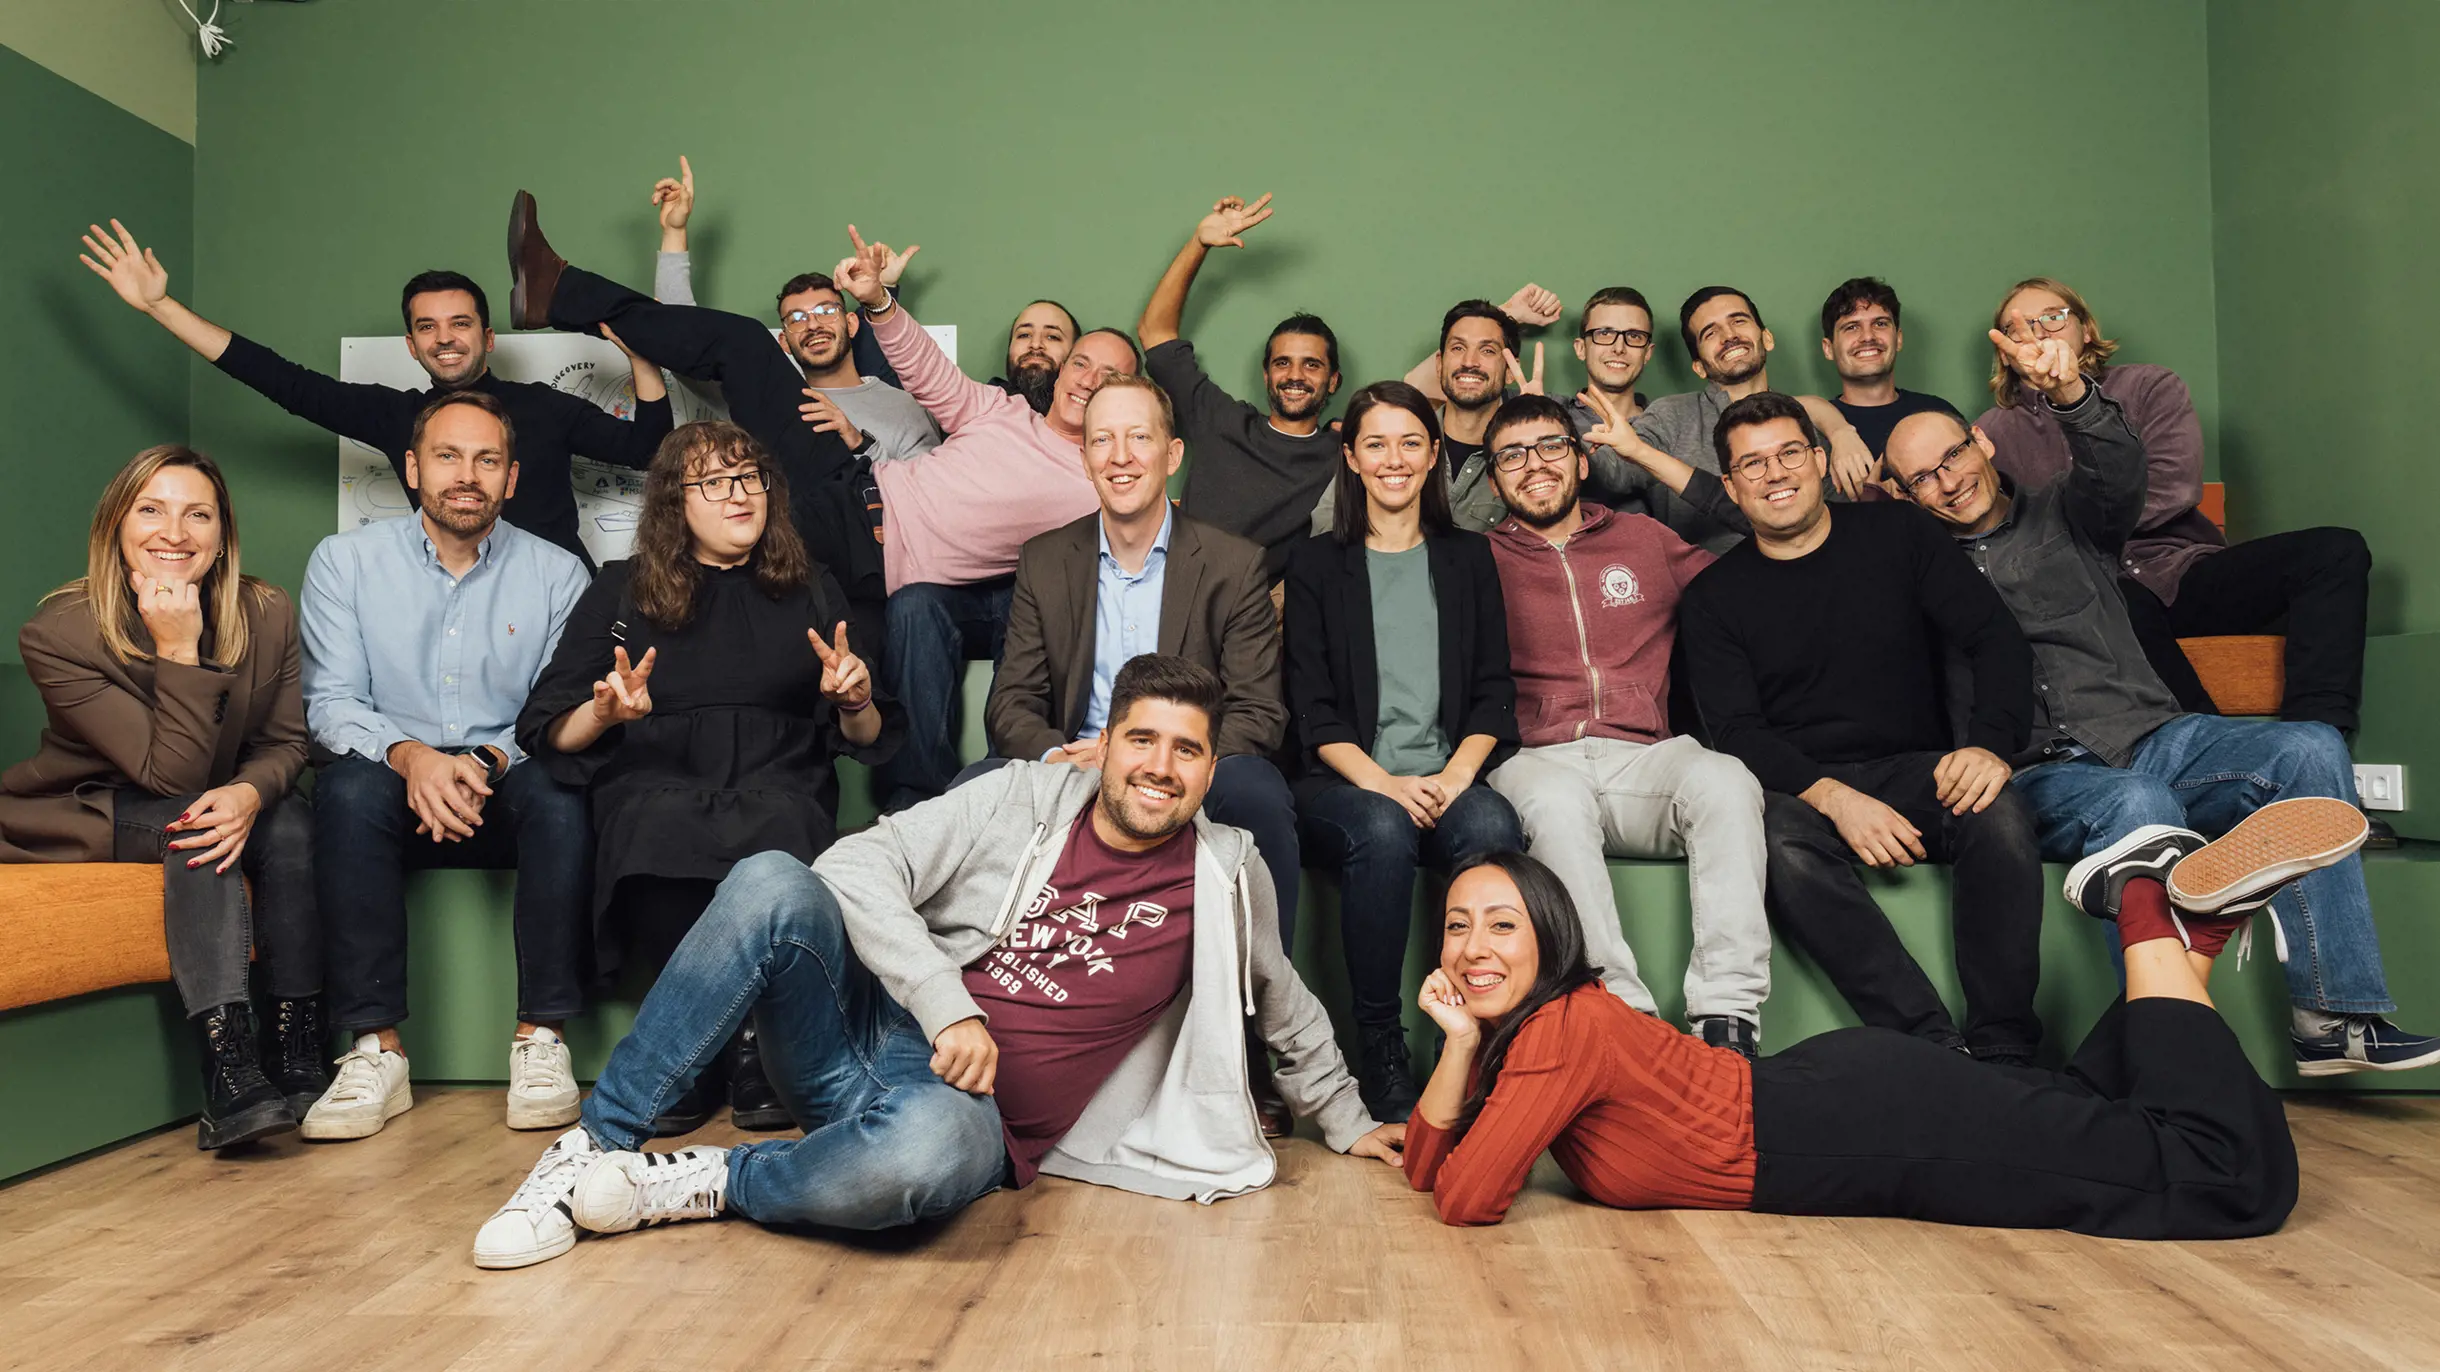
(1817, 899)
(210, 925)
(364, 844)
(763, 387)
(2311, 585)
(933, 631)
(2158, 1129)
(1248, 793)
(1376, 848)
(888, 1143)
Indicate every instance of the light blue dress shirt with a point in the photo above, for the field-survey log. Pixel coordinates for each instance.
(396, 648)
(1126, 618)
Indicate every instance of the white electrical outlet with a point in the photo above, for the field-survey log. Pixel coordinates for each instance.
(2380, 786)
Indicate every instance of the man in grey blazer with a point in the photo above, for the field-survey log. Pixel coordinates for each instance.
(1138, 577)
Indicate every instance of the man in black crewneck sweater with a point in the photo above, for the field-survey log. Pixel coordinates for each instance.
(1817, 654)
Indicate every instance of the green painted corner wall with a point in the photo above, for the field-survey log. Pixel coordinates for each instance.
(2325, 127)
(1421, 152)
(89, 382)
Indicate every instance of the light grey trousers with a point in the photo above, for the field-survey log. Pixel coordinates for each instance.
(1595, 798)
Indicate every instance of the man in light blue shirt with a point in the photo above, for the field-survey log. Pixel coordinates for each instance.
(422, 637)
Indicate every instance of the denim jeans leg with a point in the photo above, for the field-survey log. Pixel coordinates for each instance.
(203, 913)
(1249, 793)
(923, 663)
(1374, 845)
(2083, 805)
(1478, 823)
(554, 900)
(287, 931)
(361, 826)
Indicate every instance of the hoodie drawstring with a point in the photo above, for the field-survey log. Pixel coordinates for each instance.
(1006, 919)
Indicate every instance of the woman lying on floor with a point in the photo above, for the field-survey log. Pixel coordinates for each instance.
(2158, 1129)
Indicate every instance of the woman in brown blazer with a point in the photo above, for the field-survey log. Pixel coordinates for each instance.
(175, 734)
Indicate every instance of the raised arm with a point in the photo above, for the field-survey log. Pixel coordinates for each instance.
(1531, 307)
(953, 398)
(598, 434)
(141, 281)
(1224, 227)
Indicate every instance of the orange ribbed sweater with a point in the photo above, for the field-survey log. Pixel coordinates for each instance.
(1638, 1115)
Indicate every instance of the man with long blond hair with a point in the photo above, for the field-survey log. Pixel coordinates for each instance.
(2180, 576)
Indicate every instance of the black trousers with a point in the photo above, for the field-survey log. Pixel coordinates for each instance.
(763, 387)
(2158, 1129)
(2312, 585)
(1819, 902)
(656, 912)
(210, 924)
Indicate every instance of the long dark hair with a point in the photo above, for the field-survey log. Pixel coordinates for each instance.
(1351, 512)
(1559, 939)
(665, 574)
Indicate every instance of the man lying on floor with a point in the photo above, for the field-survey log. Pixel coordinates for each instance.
(1109, 951)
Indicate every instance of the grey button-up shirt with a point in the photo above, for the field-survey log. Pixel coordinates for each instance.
(2054, 561)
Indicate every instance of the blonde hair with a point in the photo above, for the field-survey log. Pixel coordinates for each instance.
(1128, 381)
(105, 582)
(2092, 361)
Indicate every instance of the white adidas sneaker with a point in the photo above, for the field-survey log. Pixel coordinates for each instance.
(637, 1190)
(539, 1221)
(541, 1082)
(368, 1090)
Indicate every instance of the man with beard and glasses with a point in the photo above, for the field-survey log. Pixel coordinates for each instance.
(1731, 349)
(448, 330)
(849, 387)
(1045, 971)
(1592, 599)
(1615, 345)
(422, 638)
(1817, 651)
(1861, 340)
(1252, 473)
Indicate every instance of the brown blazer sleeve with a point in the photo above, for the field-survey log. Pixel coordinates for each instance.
(165, 745)
(1255, 716)
(274, 752)
(1018, 717)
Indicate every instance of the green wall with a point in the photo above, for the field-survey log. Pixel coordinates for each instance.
(1421, 151)
(2325, 127)
(89, 382)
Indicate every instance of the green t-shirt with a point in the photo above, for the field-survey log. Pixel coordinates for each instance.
(1408, 740)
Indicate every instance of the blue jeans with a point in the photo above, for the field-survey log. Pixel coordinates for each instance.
(933, 630)
(887, 1143)
(2203, 772)
(1376, 847)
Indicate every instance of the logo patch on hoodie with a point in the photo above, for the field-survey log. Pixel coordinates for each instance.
(1619, 587)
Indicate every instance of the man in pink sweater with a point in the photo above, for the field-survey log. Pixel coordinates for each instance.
(1592, 617)
(954, 518)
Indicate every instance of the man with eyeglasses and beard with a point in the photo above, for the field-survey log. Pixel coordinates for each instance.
(1817, 656)
(1253, 473)
(1592, 599)
(1615, 345)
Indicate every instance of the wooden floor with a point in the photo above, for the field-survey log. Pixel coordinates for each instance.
(354, 1256)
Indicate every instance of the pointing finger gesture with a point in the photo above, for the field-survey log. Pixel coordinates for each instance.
(676, 195)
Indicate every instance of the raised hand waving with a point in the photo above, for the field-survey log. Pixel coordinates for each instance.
(1225, 226)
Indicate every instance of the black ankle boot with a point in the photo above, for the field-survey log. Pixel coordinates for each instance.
(753, 1102)
(1386, 1078)
(693, 1110)
(239, 1103)
(297, 1058)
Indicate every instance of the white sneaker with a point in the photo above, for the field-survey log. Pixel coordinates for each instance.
(636, 1190)
(539, 1222)
(541, 1082)
(368, 1091)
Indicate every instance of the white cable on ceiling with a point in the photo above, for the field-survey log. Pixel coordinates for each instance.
(209, 33)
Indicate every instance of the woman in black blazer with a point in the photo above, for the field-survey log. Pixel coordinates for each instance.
(1397, 675)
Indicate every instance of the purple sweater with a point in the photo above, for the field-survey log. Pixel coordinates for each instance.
(2172, 534)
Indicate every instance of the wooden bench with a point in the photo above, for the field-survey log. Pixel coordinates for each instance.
(2246, 674)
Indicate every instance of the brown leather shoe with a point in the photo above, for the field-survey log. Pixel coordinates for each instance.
(1269, 1108)
(533, 269)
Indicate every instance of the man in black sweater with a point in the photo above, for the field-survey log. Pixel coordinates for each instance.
(1817, 653)
(448, 326)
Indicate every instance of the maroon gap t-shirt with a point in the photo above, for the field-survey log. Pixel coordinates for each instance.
(1104, 948)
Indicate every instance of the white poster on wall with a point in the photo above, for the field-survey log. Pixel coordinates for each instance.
(607, 498)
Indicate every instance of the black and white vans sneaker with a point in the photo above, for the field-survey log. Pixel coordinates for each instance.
(539, 1221)
(2152, 850)
(637, 1190)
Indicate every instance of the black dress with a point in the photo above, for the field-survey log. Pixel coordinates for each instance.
(735, 758)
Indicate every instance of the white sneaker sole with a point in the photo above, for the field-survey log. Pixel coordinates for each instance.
(364, 1126)
(2340, 1067)
(550, 1112)
(510, 1261)
(2269, 848)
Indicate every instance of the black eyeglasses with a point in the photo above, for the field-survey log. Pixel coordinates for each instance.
(1922, 481)
(752, 481)
(1757, 467)
(1602, 338)
(2044, 324)
(1549, 447)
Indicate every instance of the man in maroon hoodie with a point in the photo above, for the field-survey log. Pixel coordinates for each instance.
(1592, 615)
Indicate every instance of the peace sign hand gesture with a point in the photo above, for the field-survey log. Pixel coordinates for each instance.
(625, 695)
(1229, 219)
(2047, 364)
(1526, 385)
(846, 682)
(1613, 431)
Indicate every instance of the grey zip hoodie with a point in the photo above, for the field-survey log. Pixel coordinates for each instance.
(929, 890)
